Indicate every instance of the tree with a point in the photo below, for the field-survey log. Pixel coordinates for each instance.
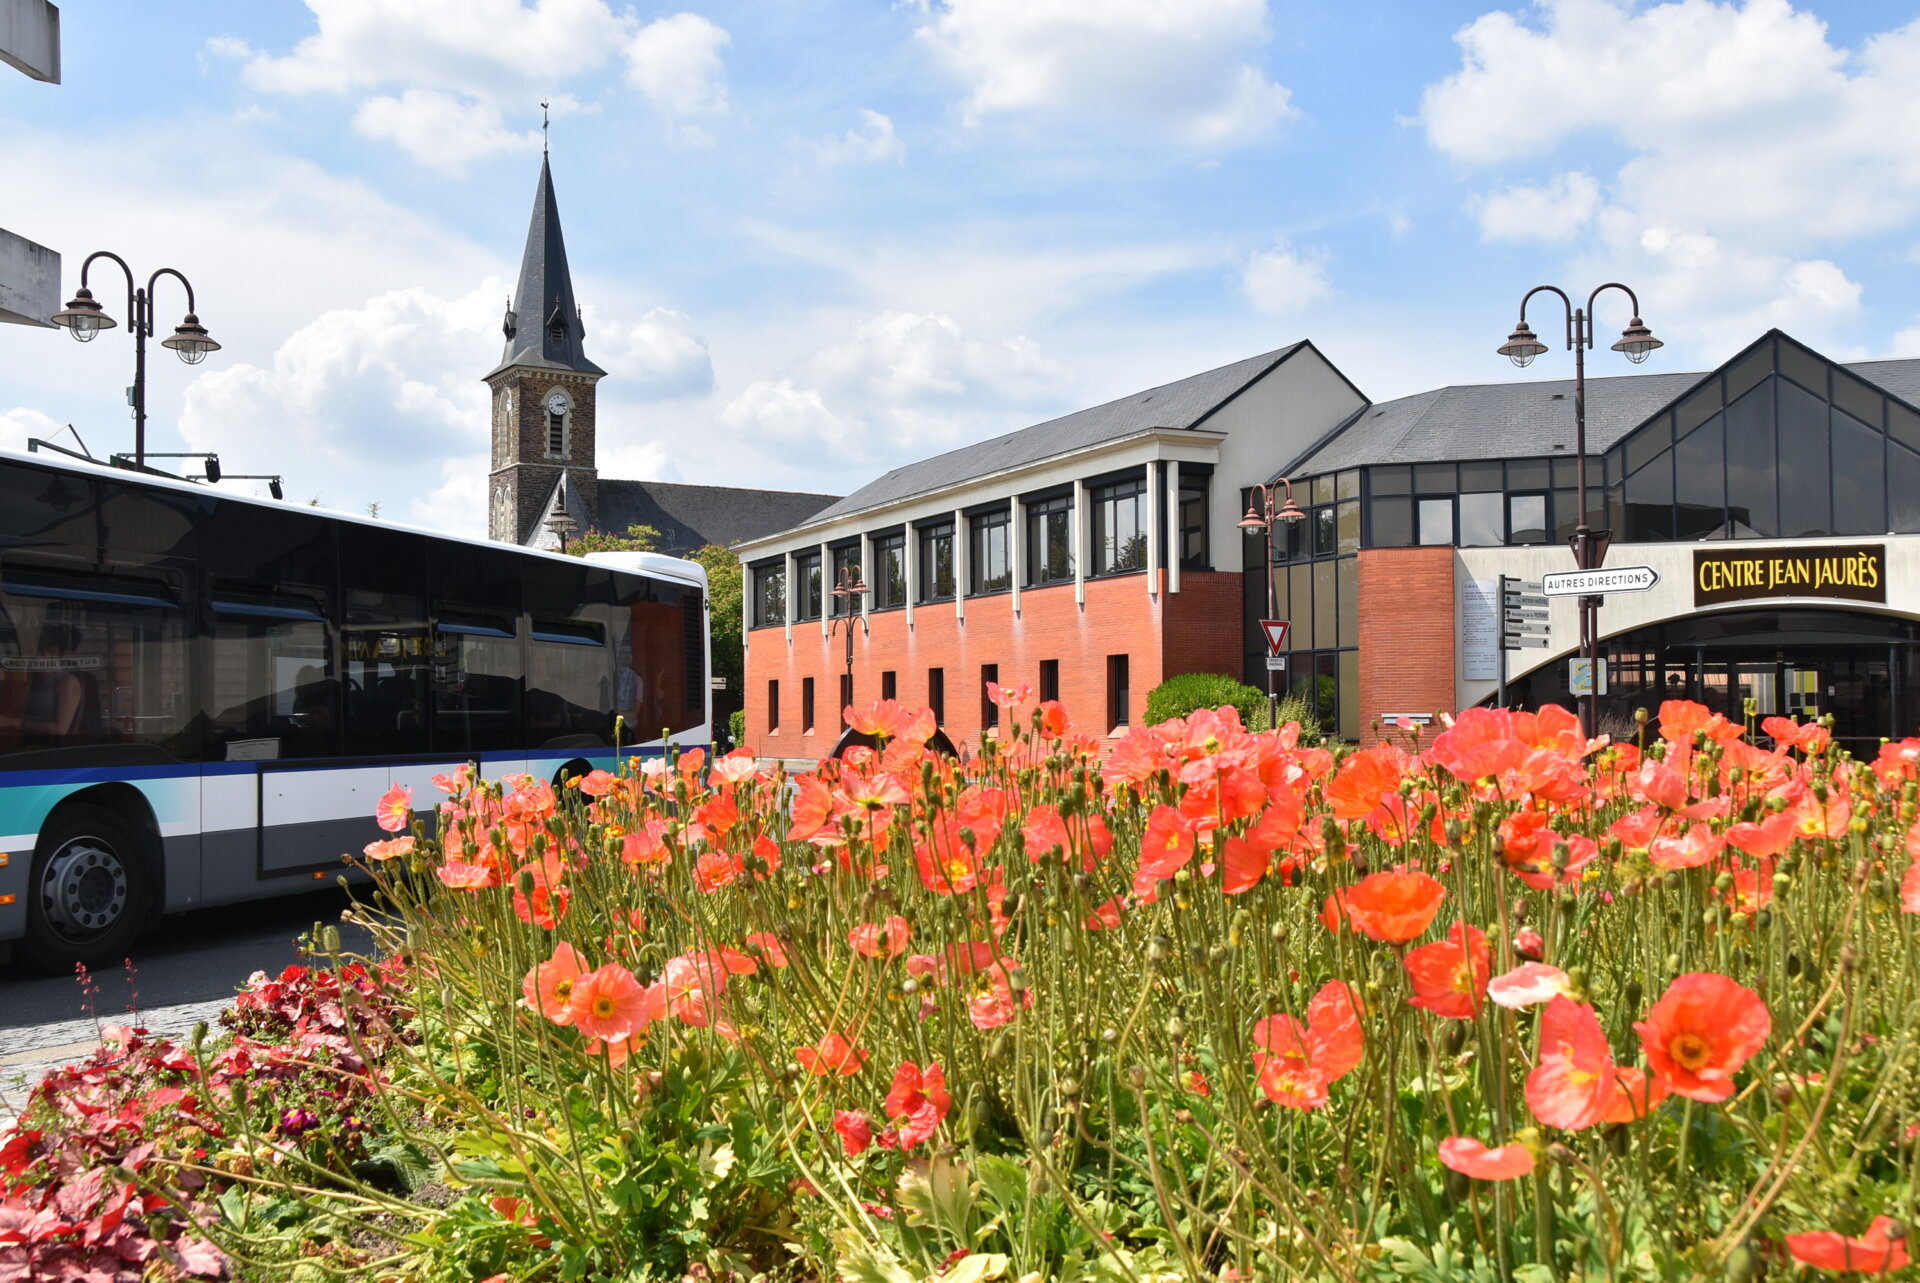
(637, 539)
(725, 586)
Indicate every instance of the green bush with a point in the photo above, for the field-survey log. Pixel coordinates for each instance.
(737, 726)
(1181, 694)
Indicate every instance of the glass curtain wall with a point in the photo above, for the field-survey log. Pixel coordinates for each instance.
(1316, 586)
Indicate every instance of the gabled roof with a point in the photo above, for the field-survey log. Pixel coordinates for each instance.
(544, 297)
(1186, 403)
(690, 517)
(1528, 420)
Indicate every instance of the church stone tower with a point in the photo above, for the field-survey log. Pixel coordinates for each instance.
(543, 392)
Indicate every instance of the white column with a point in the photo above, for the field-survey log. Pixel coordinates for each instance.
(826, 589)
(1173, 527)
(866, 573)
(961, 570)
(793, 592)
(1079, 542)
(1154, 536)
(1016, 547)
(910, 549)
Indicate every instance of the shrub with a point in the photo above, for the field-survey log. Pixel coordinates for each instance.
(1185, 693)
(737, 725)
(1194, 1001)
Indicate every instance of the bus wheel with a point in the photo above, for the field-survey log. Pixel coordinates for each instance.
(88, 892)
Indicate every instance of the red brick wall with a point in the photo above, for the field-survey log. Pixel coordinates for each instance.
(1196, 629)
(1406, 633)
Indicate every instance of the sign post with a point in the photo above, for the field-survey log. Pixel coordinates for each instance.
(1275, 631)
(1523, 622)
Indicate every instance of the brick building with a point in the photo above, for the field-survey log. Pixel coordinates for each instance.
(1776, 498)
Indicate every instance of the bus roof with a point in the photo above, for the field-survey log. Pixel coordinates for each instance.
(649, 563)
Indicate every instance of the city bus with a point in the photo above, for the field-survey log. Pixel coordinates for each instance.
(203, 695)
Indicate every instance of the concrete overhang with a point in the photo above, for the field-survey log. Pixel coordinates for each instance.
(29, 280)
(30, 38)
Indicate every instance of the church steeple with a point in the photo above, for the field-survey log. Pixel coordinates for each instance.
(543, 323)
(543, 390)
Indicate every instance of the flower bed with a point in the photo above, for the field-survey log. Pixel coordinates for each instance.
(1500, 1004)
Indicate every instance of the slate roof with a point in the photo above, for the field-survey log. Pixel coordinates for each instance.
(1182, 404)
(544, 296)
(1526, 420)
(690, 517)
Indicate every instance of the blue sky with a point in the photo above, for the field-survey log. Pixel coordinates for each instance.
(817, 240)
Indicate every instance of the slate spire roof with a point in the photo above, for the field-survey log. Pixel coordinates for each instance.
(543, 323)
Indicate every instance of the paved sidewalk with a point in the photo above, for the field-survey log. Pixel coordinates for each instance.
(27, 1054)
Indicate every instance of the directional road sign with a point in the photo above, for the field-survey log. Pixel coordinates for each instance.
(1276, 632)
(1594, 583)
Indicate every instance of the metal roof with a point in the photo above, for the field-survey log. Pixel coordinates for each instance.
(543, 301)
(690, 517)
(1182, 404)
(1527, 420)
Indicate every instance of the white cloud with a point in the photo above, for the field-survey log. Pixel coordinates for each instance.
(775, 413)
(1751, 144)
(481, 48)
(1182, 66)
(676, 63)
(656, 358)
(871, 140)
(1283, 282)
(439, 129)
(21, 422)
(1556, 211)
(900, 357)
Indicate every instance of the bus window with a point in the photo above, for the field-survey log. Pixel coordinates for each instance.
(569, 684)
(272, 693)
(476, 685)
(385, 672)
(92, 660)
(662, 687)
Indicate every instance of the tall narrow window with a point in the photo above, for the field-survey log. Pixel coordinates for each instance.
(806, 572)
(1120, 527)
(937, 694)
(846, 694)
(890, 571)
(846, 564)
(989, 711)
(769, 595)
(889, 685)
(773, 705)
(1050, 540)
(806, 705)
(988, 563)
(1049, 679)
(936, 562)
(1193, 522)
(558, 408)
(1119, 691)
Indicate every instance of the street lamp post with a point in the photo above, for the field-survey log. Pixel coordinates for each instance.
(83, 318)
(1589, 546)
(850, 590)
(1261, 514)
(561, 523)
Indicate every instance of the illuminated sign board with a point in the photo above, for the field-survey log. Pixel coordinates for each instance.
(1853, 572)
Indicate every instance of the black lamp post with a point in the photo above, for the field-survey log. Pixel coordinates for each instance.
(849, 590)
(561, 523)
(1589, 546)
(83, 318)
(1261, 514)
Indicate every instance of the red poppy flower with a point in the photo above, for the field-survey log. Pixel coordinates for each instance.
(1045, 832)
(1450, 976)
(1635, 1093)
(1242, 865)
(917, 1102)
(833, 1054)
(1878, 1251)
(1472, 1158)
(1573, 1082)
(1393, 906)
(1053, 719)
(856, 1131)
(948, 865)
(1910, 888)
(1689, 851)
(1660, 785)
(880, 940)
(1768, 837)
(769, 947)
(1366, 779)
(1702, 1030)
(1298, 1062)
(1165, 848)
(883, 719)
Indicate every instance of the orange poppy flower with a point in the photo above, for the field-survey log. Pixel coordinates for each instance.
(1450, 976)
(395, 809)
(389, 848)
(1573, 1082)
(877, 940)
(608, 1003)
(917, 1101)
(548, 987)
(1688, 851)
(1472, 1158)
(1393, 906)
(1296, 1063)
(1910, 888)
(1878, 1251)
(1165, 848)
(1703, 1028)
(1635, 1093)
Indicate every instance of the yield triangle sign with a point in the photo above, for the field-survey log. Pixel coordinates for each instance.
(1276, 631)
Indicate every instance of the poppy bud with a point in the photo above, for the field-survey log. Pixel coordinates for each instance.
(1561, 1154)
(1158, 948)
(1459, 1185)
(1137, 1076)
(1010, 905)
(1176, 1028)
(1562, 856)
(1456, 1036)
(1633, 993)
(1848, 959)
(1109, 1035)
(1896, 1232)
(1742, 1265)
(1069, 1088)
(1278, 931)
(1017, 980)
(1617, 1138)
(998, 1048)
(1521, 907)
(909, 986)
